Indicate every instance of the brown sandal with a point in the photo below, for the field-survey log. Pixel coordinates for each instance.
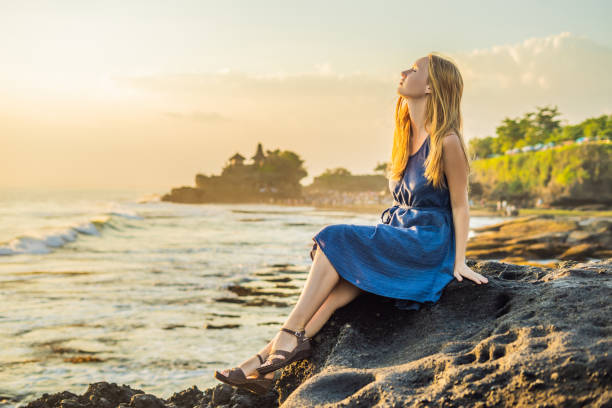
(236, 378)
(301, 351)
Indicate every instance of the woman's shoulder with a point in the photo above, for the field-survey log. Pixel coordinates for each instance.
(450, 139)
(451, 145)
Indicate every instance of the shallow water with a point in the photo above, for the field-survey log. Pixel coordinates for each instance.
(115, 286)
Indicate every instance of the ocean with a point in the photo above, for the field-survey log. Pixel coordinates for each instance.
(117, 286)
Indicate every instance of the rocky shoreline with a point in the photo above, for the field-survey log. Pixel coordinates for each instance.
(532, 336)
(543, 237)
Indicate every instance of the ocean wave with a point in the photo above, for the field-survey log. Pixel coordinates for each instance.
(43, 242)
(131, 216)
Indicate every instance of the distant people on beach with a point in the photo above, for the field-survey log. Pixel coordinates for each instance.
(507, 209)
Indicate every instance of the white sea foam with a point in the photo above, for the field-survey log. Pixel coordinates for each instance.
(132, 216)
(43, 242)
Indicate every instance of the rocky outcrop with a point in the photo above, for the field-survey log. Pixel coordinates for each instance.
(543, 237)
(187, 195)
(530, 337)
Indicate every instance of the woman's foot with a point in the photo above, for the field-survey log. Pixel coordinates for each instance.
(283, 341)
(250, 365)
(289, 346)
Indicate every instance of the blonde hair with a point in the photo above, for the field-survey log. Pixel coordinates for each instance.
(442, 116)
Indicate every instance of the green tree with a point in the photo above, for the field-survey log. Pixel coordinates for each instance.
(534, 127)
(510, 133)
(544, 119)
(480, 148)
(338, 171)
(381, 167)
(282, 170)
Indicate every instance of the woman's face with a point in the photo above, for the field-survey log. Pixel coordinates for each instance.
(413, 82)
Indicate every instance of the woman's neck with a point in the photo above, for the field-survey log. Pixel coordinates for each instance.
(417, 118)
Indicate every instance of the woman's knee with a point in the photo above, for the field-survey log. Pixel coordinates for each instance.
(324, 261)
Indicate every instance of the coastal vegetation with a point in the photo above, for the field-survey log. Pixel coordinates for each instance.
(274, 174)
(537, 131)
(532, 161)
(562, 166)
(341, 179)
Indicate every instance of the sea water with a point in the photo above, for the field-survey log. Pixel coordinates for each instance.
(119, 286)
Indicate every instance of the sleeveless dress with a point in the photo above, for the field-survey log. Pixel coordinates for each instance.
(409, 257)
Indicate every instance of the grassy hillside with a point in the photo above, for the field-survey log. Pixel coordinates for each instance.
(568, 175)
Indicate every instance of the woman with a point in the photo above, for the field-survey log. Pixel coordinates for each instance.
(419, 246)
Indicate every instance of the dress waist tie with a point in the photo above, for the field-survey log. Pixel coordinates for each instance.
(391, 210)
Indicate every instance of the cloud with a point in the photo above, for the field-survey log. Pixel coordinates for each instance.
(331, 118)
(566, 70)
(345, 119)
(238, 85)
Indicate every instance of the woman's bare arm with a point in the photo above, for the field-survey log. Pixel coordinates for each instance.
(456, 171)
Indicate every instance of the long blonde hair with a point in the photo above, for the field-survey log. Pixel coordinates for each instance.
(442, 116)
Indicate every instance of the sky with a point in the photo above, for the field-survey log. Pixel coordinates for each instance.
(147, 94)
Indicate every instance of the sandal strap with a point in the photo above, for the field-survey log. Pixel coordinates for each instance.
(299, 334)
(260, 358)
(274, 360)
(282, 352)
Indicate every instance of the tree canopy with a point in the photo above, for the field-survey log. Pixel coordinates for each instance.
(542, 127)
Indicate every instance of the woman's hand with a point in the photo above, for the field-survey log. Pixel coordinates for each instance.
(464, 271)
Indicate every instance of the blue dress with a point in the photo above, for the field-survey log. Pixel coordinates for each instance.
(408, 257)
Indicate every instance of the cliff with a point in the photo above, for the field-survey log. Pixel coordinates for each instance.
(565, 176)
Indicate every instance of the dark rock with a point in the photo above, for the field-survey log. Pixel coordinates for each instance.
(221, 394)
(266, 302)
(187, 195)
(190, 397)
(100, 394)
(146, 401)
(71, 403)
(221, 326)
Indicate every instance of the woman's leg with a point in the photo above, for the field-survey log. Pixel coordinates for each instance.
(341, 294)
(315, 303)
(322, 278)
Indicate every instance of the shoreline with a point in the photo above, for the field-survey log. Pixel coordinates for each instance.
(475, 211)
(508, 343)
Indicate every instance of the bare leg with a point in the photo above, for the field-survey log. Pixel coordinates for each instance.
(322, 280)
(319, 284)
(342, 293)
